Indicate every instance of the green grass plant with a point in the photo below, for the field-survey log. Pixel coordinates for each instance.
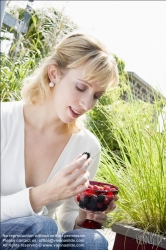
(140, 169)
(47, 26)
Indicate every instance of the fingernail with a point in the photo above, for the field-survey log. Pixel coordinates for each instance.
(81, 159)
(87, 163)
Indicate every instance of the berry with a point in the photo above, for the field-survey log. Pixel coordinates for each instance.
(78, 197)
(90, 186)
(101, 197)
(106, 201)
(96, 187)
(104, 208)
(86, 153)
(82, 204)
(92, 205)
(90, 192)
(99, 205)
(110, 196)
(86, 199)
(100, 188)
(107, 188)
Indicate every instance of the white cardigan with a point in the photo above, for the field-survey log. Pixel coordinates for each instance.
(14, 193)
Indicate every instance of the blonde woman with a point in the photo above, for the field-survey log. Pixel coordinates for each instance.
(43, 168)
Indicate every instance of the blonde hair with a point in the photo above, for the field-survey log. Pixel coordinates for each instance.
(72, 51)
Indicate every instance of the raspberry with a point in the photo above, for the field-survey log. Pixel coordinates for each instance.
(106, 201)
(110, 197)
(78, 197)
(96, 187)
(107, 188)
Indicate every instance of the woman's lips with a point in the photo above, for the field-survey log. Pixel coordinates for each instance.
(74, 113)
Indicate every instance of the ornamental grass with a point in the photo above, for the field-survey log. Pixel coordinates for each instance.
(139, 168)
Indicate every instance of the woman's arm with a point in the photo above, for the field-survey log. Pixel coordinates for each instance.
(67, 183)
(68, 213)
(16, 205)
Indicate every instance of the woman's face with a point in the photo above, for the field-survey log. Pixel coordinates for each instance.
(72, 97)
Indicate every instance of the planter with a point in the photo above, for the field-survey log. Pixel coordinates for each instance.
(131, 238)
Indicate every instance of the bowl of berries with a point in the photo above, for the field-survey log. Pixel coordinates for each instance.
(96, 198)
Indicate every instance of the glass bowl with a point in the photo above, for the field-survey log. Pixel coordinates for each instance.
(96, 198)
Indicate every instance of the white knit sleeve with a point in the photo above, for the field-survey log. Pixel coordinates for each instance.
(18, 205)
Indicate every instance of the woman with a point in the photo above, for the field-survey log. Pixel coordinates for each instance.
(43, 168)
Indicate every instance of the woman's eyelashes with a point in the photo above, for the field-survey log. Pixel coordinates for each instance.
(81, 87)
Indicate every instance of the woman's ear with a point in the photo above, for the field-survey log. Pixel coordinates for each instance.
(53, 73)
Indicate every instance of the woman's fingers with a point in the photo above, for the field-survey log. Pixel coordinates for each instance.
(98, 217)
(75, 165)
(112, 205)
(81, 180)
(80, 171)
(74, 178)
(80, 188)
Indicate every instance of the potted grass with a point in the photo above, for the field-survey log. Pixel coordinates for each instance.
(139, 170)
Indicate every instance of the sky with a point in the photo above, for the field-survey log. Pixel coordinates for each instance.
(133, 30)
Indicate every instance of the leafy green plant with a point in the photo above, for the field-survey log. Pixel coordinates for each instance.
(12, 74)
(140, 170)
(45, 29)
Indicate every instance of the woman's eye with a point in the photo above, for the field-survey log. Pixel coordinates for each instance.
(97, 96)
(80, 87)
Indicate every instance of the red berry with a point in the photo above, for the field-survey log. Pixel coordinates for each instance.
(96, 187)
(107, 188)
(99, 204)
(90, 195)
(110, 196)
(78, 197)
(89, 191)
(106, 201)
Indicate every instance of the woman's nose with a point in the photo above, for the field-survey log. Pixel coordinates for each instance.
(86, 104)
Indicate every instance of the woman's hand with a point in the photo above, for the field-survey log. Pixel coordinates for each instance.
(98, 217)
(68, 182)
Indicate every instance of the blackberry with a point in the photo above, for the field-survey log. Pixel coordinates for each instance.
(101, 198)
(92, 205)
(103, 208)
(86, 153)
(86, 200)
(82, 204)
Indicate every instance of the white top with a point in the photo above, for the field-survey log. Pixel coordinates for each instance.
(14, 193)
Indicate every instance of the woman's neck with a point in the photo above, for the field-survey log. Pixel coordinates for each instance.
(40, 117)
